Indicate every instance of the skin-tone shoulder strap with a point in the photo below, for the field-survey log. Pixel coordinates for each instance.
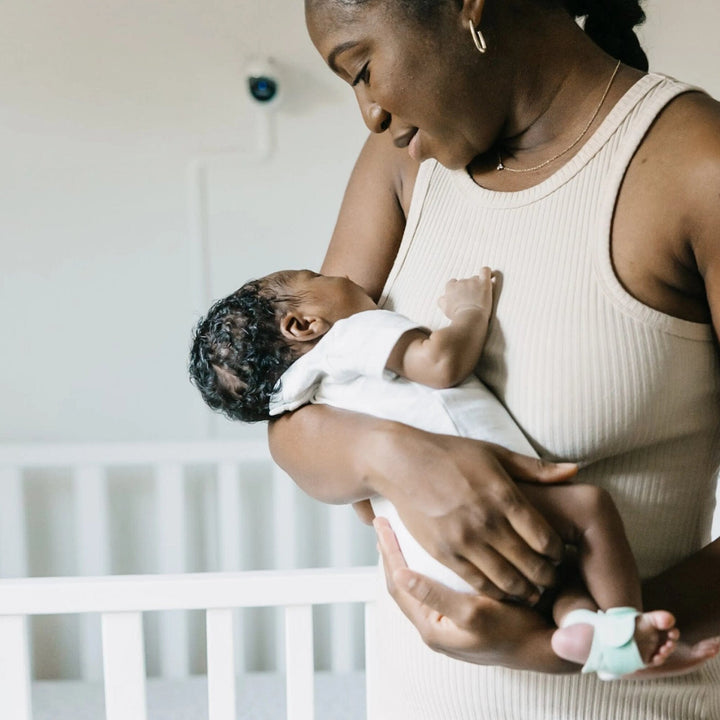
(372, 215)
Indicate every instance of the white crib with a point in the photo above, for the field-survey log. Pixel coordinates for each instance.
(113, 610)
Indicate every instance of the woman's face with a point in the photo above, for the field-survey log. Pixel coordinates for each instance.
(420, 83)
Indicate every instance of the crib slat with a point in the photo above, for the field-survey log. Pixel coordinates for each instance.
(299, 661)
(342, 625)
(229, 551)
(371, 651)
(15, 668)
(285, 541)
(174, 651)
(221, 664)
(92, 553)
(228, 505)
(13, 547)
(284, 520)
(124, 665)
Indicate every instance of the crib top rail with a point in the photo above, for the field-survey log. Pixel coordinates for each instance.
(121, 602)
(33, 455)
(190, 591)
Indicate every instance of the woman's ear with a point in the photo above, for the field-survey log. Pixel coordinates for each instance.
(297, 327)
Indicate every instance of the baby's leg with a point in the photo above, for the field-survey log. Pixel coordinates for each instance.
(586, 517)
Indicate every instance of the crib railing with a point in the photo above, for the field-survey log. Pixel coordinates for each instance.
(121, 600)
(231, 489)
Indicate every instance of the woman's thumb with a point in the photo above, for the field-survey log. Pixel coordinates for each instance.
(532, 469)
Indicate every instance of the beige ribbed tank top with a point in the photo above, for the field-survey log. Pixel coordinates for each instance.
(590, 374)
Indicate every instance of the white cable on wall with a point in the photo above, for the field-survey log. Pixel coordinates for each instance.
(264, 88)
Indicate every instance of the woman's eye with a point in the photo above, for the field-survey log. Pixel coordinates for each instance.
(363, 75)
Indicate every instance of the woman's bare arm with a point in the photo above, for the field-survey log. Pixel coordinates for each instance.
(372, 216)
(691, 588)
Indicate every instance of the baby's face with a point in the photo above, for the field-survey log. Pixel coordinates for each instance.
(333, 298)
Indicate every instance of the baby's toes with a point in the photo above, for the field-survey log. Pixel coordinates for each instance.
(666, 649)
(661, 619)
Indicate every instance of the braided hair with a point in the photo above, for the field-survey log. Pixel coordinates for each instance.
(611, 23)
(238, 352)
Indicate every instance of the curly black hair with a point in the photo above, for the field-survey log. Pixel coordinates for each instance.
(238, 352)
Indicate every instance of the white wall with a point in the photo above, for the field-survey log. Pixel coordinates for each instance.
(102, 107)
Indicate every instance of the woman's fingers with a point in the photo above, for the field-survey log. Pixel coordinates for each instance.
(532, 469)
(464, 626)
(500, 579)
(527, 522)
(475, 521)
(485, 546)
(426, 603)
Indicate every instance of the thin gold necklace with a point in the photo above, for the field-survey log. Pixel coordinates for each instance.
(502, 166)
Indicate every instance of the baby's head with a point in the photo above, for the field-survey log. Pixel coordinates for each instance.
(248, 339)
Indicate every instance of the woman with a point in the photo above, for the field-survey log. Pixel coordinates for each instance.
(503, 135)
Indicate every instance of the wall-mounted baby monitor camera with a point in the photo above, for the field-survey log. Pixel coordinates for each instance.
(263, 82)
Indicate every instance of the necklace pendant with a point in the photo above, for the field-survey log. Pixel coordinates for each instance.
(500, 165)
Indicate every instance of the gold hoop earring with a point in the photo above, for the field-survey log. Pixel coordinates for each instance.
(477, 37)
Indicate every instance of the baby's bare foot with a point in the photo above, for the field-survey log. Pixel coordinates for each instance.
(655, 634)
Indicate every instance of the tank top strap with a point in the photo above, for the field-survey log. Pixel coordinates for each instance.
(618, 156)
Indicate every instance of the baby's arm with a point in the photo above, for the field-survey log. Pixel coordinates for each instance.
(447, 356)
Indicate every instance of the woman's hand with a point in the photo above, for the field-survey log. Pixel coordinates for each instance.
(468, 627)
(456, 496)
(483, 631)
(459, 500)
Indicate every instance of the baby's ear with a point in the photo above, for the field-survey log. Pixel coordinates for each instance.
(297, 327)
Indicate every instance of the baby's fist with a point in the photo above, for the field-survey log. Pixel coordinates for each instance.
(475, 292)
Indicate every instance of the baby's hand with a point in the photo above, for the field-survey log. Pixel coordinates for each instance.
(473, 292)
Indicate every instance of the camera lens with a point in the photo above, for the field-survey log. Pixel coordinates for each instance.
(263, 89)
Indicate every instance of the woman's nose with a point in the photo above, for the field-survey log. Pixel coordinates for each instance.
(376, 119)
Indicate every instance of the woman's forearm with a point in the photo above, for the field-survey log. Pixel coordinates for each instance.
(690, 590)
(325, 451)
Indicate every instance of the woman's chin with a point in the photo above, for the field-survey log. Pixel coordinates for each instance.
(454, 162)
(455, 158)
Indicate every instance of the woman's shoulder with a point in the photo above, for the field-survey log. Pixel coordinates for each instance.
(681, 152)
(667, 223)
(688, 130)
(684, 147)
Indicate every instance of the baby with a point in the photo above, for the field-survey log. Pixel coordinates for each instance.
(295, 337)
